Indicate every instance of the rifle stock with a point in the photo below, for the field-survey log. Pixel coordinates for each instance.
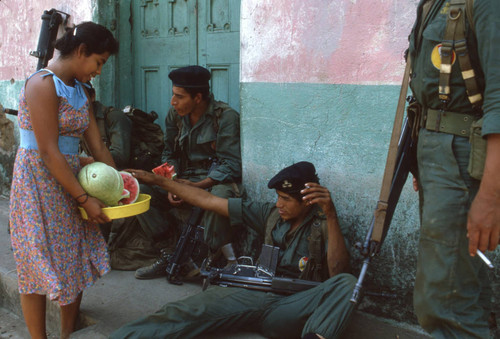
(51, 20)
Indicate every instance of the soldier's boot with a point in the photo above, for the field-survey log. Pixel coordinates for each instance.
(156, 270)
(228, 252)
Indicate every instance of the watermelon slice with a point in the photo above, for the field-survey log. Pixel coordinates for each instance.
(130, 186)
(165, 170)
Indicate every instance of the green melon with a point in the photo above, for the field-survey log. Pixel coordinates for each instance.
(102, 182)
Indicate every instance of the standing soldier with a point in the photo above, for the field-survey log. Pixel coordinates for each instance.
(455, 78)
(202, 142)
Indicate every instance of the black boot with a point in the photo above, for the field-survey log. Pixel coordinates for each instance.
(155, 270)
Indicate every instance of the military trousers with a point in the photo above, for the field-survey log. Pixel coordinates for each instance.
(325, 309)
(452, 291)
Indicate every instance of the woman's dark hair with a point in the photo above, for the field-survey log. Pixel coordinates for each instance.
(97, 39)
(205, 92)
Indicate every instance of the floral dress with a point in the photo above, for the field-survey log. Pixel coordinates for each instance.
(56, 251)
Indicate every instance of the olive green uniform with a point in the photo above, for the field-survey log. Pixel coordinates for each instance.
(324, 309)
(452, 291)
(192, 149)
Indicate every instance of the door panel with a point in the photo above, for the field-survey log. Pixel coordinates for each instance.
(219, 47)
(168, 34)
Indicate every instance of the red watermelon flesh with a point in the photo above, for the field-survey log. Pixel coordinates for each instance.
(131, 185)
(165, 170)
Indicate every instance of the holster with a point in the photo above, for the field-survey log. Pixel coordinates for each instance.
(415, 118)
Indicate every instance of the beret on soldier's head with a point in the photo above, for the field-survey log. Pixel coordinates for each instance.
(293, 178)
(190, 77)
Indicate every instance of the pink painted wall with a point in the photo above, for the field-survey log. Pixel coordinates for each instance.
(20, 22)
(318, 41)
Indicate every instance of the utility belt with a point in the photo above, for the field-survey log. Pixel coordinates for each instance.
(448, 122)
(459, 124)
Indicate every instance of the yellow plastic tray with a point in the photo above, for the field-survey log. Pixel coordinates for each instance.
(116, 212)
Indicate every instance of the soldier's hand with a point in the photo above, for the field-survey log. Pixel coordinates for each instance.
(483, 222)
(144, 176)
(174, 200)
(316, 194)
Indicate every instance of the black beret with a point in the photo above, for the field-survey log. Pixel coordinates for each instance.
(190, 77)
(293, 178)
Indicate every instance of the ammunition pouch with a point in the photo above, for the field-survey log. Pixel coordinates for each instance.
(477, 150)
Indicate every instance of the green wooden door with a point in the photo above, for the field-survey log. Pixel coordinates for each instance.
(161, 35)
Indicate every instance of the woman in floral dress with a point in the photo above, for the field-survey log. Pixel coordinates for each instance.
(58, 253)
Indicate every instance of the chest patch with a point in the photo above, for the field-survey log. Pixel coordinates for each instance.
(302, 263)
(436, 56)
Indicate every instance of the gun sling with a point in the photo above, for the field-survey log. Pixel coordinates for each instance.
(380, 212)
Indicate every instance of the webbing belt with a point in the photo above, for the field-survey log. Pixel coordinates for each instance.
(448, 122)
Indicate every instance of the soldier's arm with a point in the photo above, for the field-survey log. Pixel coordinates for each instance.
(483, 224)
(337, 254)
(484, 215)
(190, 194)
(227, 148)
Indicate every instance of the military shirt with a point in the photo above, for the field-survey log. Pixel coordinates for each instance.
(209, 138)
(484, 51)
(293, 246)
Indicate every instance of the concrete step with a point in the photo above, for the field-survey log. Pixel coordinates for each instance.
(119, 298)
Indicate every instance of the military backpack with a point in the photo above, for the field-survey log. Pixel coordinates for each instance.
(146, 140)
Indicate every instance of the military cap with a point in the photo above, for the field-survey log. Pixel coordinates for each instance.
(293, 178)
(190, 77)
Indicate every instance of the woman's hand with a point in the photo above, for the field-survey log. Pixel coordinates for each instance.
(93, 207)
(86, 161)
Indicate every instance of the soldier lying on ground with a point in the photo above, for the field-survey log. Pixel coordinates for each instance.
(320, 312)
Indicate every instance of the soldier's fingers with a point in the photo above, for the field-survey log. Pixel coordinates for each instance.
(484, 240)
(473, 241)
(494, 240)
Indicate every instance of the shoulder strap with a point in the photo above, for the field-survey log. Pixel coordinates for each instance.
(455, 41)
(469, 10)
(270, 224)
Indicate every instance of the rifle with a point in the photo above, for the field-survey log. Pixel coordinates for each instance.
(190, 240)
(260, 277)
(371, 247)
(400, 162)
(48, 33)
(10, 111)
